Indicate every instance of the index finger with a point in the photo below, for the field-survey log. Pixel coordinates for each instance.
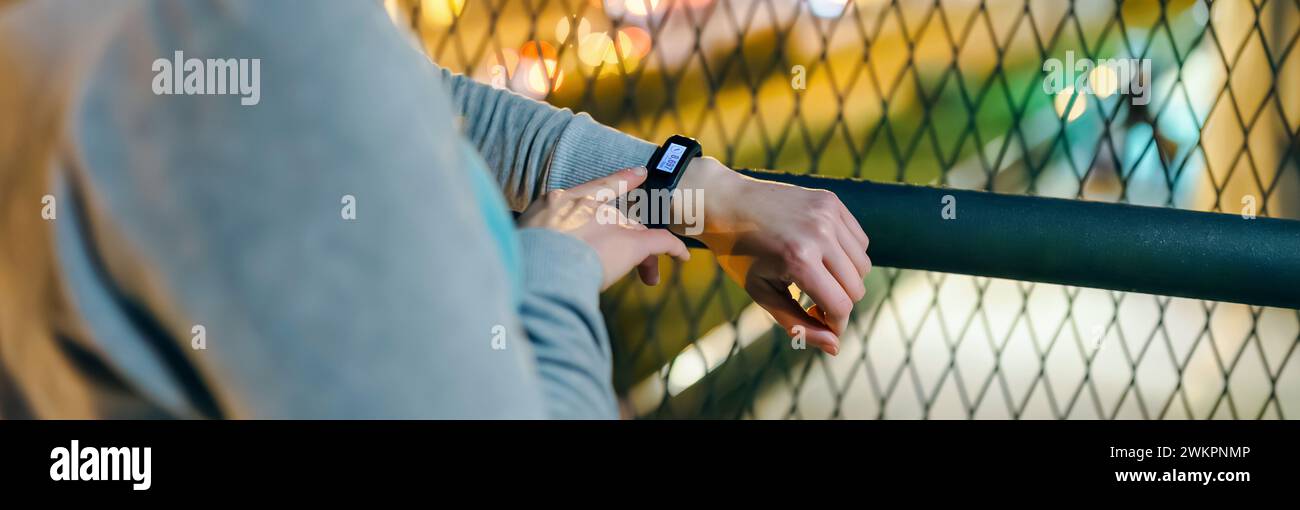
(608, 187)
(790, 315)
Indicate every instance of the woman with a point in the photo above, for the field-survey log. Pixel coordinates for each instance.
(338, 248)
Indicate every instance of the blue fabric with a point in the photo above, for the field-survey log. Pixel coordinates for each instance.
(495, 213)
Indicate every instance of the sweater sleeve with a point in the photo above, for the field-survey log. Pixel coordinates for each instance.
(561, 312)
(204, 212)
(196, 214)
(532, 147)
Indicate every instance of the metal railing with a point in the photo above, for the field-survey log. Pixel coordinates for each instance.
(951, 98)
(1152, 250)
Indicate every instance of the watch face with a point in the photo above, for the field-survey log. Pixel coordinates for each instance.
(668, 162)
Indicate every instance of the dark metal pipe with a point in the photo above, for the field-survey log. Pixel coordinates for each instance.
(1152, 250)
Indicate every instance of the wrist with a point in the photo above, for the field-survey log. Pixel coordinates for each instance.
(716, 187)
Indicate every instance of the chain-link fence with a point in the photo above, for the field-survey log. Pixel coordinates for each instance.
(1032, 97)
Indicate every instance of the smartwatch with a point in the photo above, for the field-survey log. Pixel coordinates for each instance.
(665, 170)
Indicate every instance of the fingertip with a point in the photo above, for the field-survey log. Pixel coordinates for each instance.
(635, 175)
(859, 292)
(675, 247)
(829, 340)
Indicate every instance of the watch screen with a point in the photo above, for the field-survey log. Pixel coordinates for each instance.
(671, 157)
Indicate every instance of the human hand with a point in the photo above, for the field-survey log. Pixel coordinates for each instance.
(767, 235)
(621, 243)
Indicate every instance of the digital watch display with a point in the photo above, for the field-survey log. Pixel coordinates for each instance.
(667, 165)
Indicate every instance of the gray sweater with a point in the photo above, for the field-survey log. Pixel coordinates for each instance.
(184, 221)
